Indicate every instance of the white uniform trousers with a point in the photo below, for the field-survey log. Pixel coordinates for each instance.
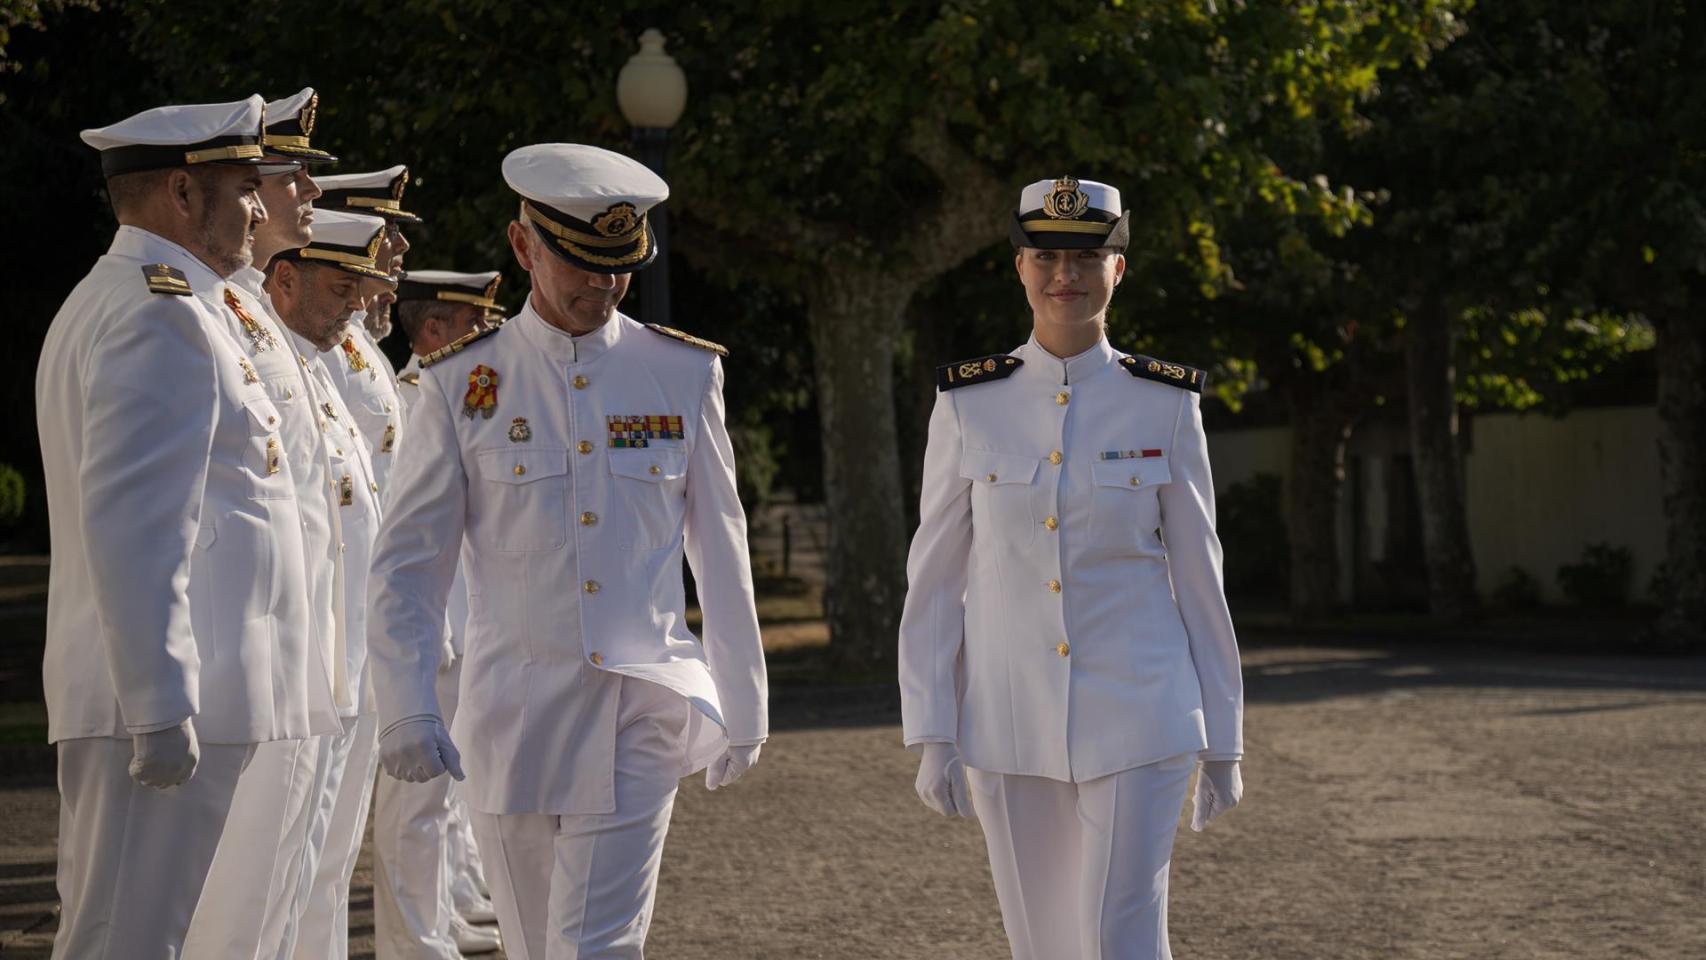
(411, 890)
(467, 873)
(1081, 868)
(335, 839)
(581, 887)
(132, 859)
(249, 907)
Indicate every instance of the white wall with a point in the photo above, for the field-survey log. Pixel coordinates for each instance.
(1542, 488)
(1539, 488)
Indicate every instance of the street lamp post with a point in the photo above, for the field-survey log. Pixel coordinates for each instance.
(652, 92)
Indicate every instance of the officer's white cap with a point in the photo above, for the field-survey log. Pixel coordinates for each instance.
(1068, 213)
(379, 193)
(588, 203)
(182, 135)
(479, 289)
(290, 122)
(349, 241)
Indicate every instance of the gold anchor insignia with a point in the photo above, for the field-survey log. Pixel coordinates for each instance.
(272, 456)
(1066, 201)
(617, 221)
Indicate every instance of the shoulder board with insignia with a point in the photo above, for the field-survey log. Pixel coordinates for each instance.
(964, 373)
(688, 338)
(412, 378)
(163, 278)
(1172, 374)
(457, 346)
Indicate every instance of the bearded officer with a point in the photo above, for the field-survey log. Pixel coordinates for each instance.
(423, 893)
(363, 375)
(571, 445)
(252, 899)
(316, 289)
(1065, 648)
(179, 633)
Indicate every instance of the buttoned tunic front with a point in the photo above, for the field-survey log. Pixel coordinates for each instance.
(369, 389)
(574, 543)
(283, 370)
(1065, 616)
(178, 584)
(354, 484)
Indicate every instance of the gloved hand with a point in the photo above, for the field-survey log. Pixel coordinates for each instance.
(165, 758)
(419, 749)
(728, 768)
(941, 782)
(1219, 788)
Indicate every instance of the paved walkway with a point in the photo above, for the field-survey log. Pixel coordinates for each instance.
(1413, 804)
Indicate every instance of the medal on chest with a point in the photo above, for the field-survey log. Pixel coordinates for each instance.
(357, 361)
(482, 395)
(260, 338)
(638, 430)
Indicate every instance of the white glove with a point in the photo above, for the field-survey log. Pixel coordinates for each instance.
(941, 782)
(419, 749)
(728, 768)
(1219, 788)
(165, 758)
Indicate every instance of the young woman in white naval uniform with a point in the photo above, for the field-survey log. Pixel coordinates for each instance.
(1066, 655)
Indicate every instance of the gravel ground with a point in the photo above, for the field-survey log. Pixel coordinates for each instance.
(1401, 802)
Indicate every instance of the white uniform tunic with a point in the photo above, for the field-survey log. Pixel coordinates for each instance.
(163, 456)
(574, 549)
(369, 389)
(1066, 576)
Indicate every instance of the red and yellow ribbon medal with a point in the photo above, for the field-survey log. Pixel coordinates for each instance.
(482, 393)
(357, 362)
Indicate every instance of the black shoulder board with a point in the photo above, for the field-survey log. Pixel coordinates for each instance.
(458, 345)
(411, 378)
(163, 278)
(1172, 374)
(688, 338)
(964, 373)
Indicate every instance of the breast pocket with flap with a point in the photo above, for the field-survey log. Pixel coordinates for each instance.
(522, 499)
(1003, 493)
(650, 495)
(1125, 505)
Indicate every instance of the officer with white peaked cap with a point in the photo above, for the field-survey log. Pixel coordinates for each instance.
(250, 904)
(425, 859)
(316, 289)
(1065, 648)
(179, 633)
(363, 375)
(571, 445)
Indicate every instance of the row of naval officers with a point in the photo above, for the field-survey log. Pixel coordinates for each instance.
(223, 442)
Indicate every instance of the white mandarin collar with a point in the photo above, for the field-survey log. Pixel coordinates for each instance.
(152, 248)
(1070, 370)
(253, 281)
(560, 346)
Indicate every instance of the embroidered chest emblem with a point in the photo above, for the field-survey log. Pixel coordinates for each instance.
(482, 395)
(356, 359)
(519, 431)
(260, 338)
(249, 374)
(629, 431)
(388, 442)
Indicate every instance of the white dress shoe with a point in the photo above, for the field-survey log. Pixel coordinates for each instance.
(473, 940)
(478, 911)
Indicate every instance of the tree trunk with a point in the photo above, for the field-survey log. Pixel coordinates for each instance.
(854, 317)
(1317, 477)
(1437, 453)
(1681, 352)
